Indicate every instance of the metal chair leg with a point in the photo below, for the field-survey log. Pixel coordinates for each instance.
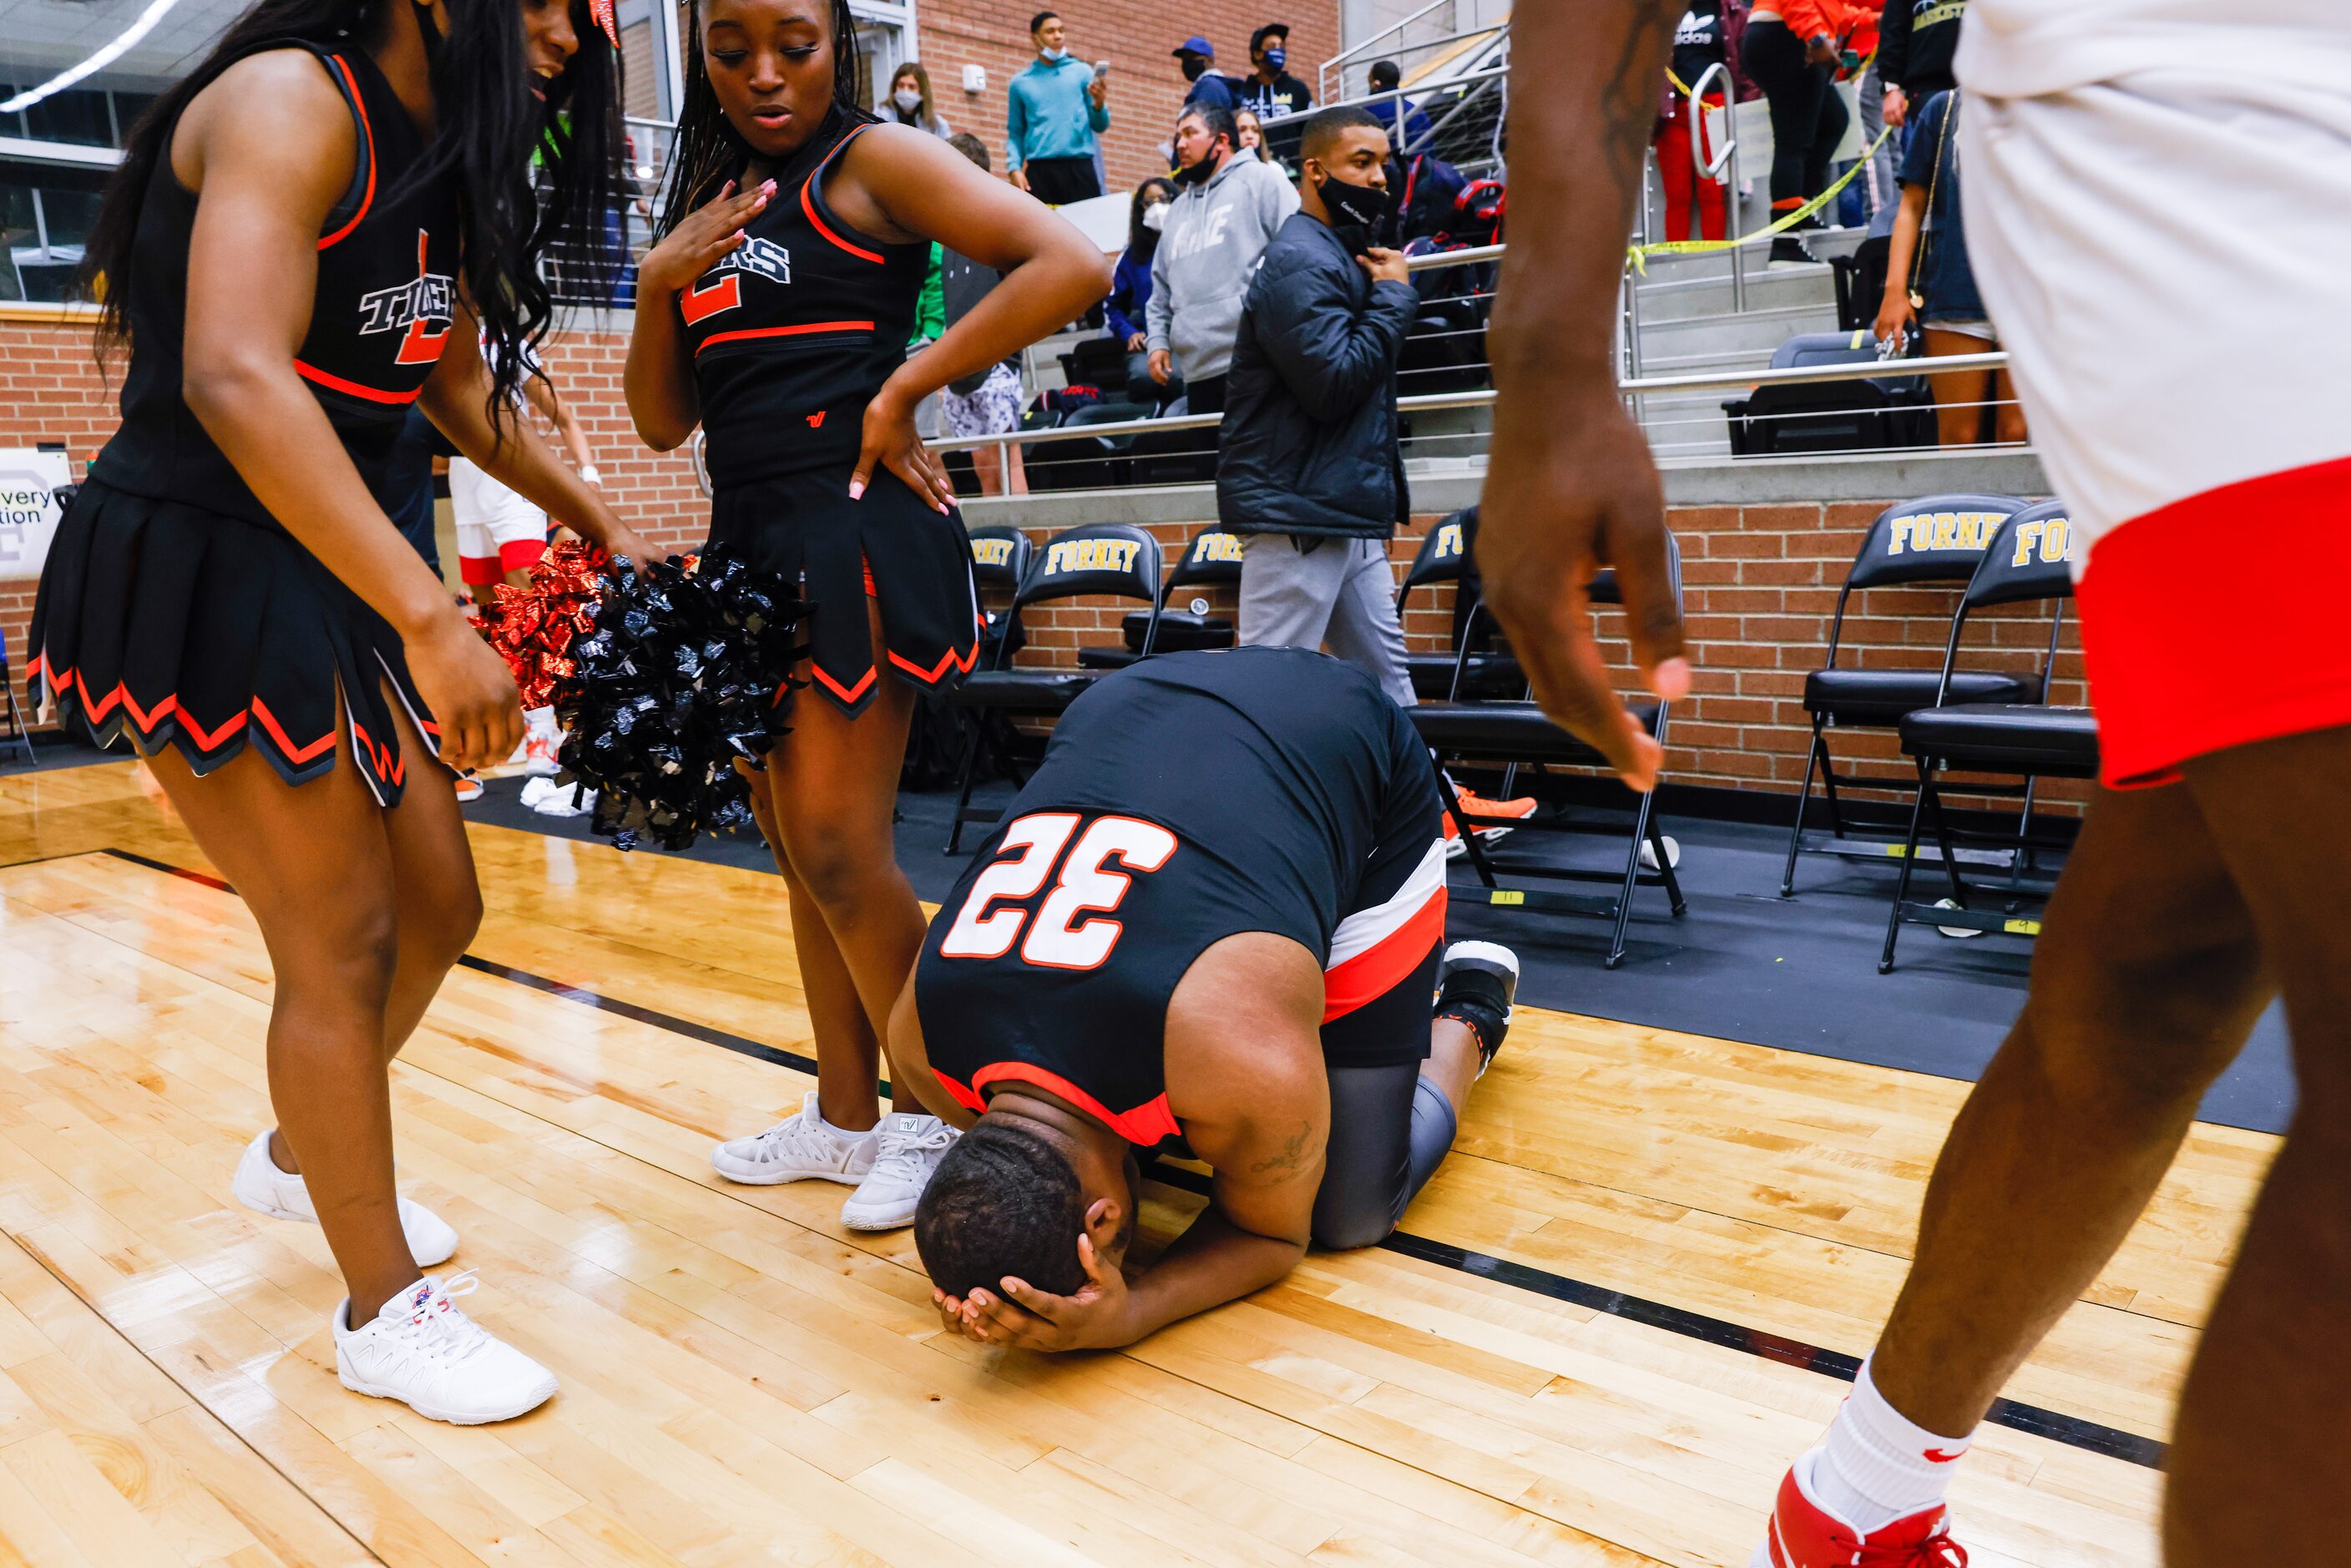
(1631, 880)
(1902, 882)
(1470, 845)
(1803, 798)
(963, 797)
(1665, 871)
(1943, 842)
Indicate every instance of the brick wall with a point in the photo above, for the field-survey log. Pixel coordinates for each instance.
(1760, 585)
(1135, 35)
(1761, 582)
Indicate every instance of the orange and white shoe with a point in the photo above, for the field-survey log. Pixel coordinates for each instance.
(1479, 806)
(469, 788)
(1454, 848)
(539, 750)
(1805, 1534)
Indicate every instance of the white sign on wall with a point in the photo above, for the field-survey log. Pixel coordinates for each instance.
(29, 480)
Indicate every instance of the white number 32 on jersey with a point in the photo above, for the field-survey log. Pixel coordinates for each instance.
(1068, 932)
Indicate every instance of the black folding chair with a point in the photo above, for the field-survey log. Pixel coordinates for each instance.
(16, 736)
(1444, 557)
(1115, 559)
(2028, 562)
(1935, 541)
(1213, 559)
(1517, 733)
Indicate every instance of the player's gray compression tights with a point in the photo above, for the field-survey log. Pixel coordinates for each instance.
(1389, 1130)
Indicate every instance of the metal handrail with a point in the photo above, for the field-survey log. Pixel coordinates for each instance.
(1340, 59)
(1708, 168)
(1635, 386)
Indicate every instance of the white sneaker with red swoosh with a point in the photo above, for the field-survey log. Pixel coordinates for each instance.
(1804, 1534)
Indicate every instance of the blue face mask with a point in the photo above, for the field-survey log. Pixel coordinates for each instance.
(1276, 58)
(1057, 55)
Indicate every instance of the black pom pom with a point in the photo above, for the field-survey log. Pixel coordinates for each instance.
(685, 669)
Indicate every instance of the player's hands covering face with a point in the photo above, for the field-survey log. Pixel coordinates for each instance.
(1095, 1318)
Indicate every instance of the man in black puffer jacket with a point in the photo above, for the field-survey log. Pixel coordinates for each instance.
(1308, 468)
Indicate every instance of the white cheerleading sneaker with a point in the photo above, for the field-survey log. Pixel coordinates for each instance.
(422, 1351)
(798, 1148)
(908, 1151)
(262, 1188)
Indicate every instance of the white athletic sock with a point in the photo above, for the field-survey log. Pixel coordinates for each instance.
(1878, 1466)
(538, 720)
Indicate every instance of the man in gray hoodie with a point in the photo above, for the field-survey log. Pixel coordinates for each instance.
(1225, 212)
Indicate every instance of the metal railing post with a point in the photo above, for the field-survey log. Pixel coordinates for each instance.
(1706, 168)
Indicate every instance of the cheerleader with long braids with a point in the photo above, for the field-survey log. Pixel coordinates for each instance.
(309, 235)
(774, 313)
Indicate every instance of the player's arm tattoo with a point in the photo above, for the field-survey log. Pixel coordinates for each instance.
(1628, 95)
(1292, 1157)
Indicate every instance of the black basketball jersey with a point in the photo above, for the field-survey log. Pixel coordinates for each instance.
(1183, 799)
(387, 261)
(796, 329)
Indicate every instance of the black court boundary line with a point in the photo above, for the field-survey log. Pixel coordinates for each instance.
(2075, 1431)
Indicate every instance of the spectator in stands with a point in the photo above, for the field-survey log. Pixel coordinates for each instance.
(1385, 78)
(1054, 115)
(1307, 466)
(910, 101)
(1196, 58)
(1248, 132)
(1270, 89)
(988, 402)
(1915, 41)
(1791, 50)
(1701, 42)
(1130, 289)
(1929, 255)
(1226, 211)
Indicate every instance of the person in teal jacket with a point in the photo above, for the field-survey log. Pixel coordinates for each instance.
(1054, 115)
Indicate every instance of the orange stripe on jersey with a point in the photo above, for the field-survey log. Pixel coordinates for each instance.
(1148, 1123)
(373, 394)
(808, 206)
(799, 331)
(1377, 970)
(367, 196)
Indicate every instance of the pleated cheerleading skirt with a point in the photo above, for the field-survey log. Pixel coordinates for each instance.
(191, 628)
(912, 561)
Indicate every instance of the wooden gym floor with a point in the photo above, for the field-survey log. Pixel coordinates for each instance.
(1604, 1332)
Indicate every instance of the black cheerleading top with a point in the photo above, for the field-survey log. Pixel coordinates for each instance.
(387, 261)
(796, 329)
(1186, 799)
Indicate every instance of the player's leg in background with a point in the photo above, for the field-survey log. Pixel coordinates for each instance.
(2259, 1465)
(2147, 978)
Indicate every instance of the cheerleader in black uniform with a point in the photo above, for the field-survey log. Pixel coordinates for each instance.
(302, 242)
(775, 313)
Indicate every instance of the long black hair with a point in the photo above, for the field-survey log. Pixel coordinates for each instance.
(1142, 242)
(706, 152)
(488, 129)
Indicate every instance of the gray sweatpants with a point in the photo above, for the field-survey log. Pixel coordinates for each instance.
(1304, 593)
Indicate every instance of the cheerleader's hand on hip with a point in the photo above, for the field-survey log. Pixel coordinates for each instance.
(469, 691)
(711, 233)
(891, 442)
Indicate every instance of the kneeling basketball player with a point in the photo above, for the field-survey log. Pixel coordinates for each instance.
(1211, 922)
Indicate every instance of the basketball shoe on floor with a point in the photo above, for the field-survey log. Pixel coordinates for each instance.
(908, 1148)
(469, 787)
(422, 1351)
(262, 1188)
(798, 1148)
(1476, 982)
(539, 750)
(1804, 1534)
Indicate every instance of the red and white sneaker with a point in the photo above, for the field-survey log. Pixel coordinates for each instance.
(1804, 1534)
(539, 750)
(1477, 805)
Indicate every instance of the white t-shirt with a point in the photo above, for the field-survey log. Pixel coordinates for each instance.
(2029, 48)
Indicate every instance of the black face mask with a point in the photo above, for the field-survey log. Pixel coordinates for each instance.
(1193, 66)
(1356, 211)
(1197, 173)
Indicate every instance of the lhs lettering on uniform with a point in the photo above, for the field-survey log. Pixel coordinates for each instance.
(2052, 537)
(992, 553)
(1092, 555)
(721, 288)
(1935, 531)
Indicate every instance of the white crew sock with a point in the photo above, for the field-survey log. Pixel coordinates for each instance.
(1878, 1465)
(538, 720)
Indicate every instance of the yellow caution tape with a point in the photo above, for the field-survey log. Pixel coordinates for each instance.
(1639, 254)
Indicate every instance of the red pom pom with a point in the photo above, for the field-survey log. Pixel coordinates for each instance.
(533, 628)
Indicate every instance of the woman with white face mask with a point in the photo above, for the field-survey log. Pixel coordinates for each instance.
(1130, 286)
(909, 101)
